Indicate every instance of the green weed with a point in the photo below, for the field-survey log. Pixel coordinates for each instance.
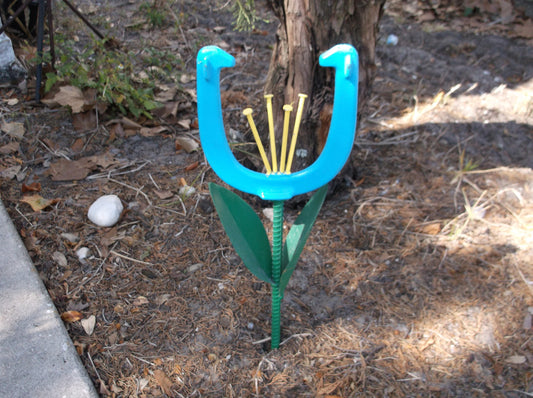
(110, 72)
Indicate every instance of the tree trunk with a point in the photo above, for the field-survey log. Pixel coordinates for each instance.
(308, 28)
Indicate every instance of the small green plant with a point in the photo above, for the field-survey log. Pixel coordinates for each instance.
(164, 61)
(469, 165)
(154, 15)
(476, 211)
(245, 14)
(111, 72)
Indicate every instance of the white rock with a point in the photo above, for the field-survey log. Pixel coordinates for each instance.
(268, 212)
(187, 191)
(105, 211)
(392, 40)
(83, 253)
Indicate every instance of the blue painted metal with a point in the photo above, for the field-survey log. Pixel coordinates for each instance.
(277, 186)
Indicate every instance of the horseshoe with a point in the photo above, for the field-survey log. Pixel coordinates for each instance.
(277, 186)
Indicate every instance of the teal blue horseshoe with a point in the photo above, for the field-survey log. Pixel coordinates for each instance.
(277, 186)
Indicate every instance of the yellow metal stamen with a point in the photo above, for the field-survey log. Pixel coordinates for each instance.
(287, 117)
(248, 113)
(268, 98)
(297, 122)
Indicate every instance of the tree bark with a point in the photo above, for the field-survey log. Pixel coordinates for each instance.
(308, 28)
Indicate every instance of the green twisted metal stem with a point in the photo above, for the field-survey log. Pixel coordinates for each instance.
(277, 244)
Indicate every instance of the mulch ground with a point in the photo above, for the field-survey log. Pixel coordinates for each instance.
(416, 279)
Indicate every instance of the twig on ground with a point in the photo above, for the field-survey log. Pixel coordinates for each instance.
(94, 367)
(113, 172)
(55, 153)
(83, 283)
(528, 283)
(153, 182)
(138, 190)
(261, 341)
(174, 211)
(298, 335)
(24, 217)
(143, 360)
(395, 140)
(129, 258)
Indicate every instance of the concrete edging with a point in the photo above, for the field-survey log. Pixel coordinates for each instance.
(37, 357)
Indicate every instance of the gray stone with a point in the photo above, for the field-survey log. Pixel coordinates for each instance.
(10, 68)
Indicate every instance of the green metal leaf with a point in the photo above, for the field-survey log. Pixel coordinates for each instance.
(245, 231)
(298, 234)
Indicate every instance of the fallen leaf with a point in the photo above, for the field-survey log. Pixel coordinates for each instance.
(84, 121)
(13, 129)
(115, 131)
(233, 97)
(426, 17)
(168, 109)
(69, 170)
(506, 11)
(222, 44)
(10, 172)
(103, 390)
(50, 144)
(71, 237)
(78, 145)
(260, 32)
(67, 96)
(143, 383)
(71, 316)
(140, 300)
(116, 389)
(162, 299)
(33, 187)
(88, 324)
(431, 229)
(163, 194)
(104, 160)
(80, 347)
(167, 94)
(110, 237)
(525, 29)
(163, 381)
(12, 147)
(60, 259)
(187, 144)
(37, 202)
(186, 78)
(191, 166)
(516, 359)
(192, 93)
(152, 131)
(130, 124)
(185, 123)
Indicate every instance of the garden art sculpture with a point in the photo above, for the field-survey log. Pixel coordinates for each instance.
(274, 263)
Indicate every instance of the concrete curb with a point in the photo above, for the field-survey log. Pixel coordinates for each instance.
(37, 357)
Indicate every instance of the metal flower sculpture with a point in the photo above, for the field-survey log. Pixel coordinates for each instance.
(274, 264)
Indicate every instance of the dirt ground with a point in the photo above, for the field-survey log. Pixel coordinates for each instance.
(417, 279)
